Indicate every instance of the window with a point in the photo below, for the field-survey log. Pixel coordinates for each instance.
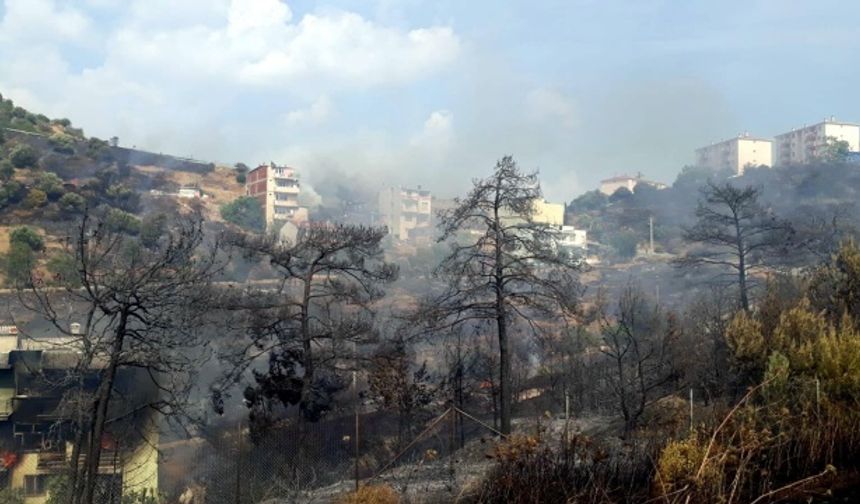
(35, 485)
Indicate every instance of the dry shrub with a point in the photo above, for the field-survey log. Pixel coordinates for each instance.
(531, 471)
(371, 494)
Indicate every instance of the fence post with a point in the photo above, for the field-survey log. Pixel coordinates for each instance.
(452, 422)
(239, 462)
(691, 409)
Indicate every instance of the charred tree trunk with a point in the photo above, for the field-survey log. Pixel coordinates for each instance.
(102, 401)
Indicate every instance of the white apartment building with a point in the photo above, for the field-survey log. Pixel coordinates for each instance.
(406, 212)
(803, 145)
(736, 154)
(277, 189)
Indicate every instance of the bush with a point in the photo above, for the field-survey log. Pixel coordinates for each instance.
(371, 494)
(35, 198)
(152, 229)
(71, 203)
(240, 178)
(28, 237)
(11, 192)
(23, 156)
(245, 212)
(50, 184)
(11, 496)
(62, 143)
(624, 243)
(64, 268)
(7, 170)
(99, 150)
(122, 222)
(19, 262)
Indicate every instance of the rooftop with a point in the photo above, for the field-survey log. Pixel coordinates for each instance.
(745, 136)
(831, 120)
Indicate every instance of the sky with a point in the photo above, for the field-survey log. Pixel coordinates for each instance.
(405, 92)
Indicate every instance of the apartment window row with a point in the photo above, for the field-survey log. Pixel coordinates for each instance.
(286, 183)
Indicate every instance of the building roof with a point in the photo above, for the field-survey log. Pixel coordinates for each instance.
(820, 123)
(621, 178)
(737, 138)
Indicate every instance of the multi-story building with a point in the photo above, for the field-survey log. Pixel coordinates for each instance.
(36, 427)
(277, 189)
(548, 213)
(736, 154)
(612, 184)
(406, 212)
(803, 145)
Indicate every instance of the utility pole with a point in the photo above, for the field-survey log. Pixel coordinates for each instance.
(355, 407)
(651, 232)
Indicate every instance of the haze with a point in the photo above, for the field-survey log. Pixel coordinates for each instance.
(432, 93)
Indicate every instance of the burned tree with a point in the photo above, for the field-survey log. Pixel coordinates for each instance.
(736, 233)
(137, 339)
(308, 325)
(638, 339)
(503, 268)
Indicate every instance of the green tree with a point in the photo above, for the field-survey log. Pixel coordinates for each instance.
(23, 156)
(152, 228)
(72, 203)
(27, 236)
(11, 192)
(62, 143)
(7, 170)
(64, 269)
(119, 221)
(50, 184)
(834, 150)
(245, 212)
(24, 242)
(587, 202)
(36, 198)
(624, 243)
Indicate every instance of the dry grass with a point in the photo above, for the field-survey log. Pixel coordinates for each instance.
(371, 494)
(219, 185)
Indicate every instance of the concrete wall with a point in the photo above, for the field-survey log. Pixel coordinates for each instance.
(753, 152)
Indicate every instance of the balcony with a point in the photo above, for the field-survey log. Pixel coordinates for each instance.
(110, 461)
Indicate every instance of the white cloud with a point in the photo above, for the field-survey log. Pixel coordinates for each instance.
(43, 21)
(437, 132)
(185, 76)
(550, 104)
(346, 50)
(247, 15)
(316, 113)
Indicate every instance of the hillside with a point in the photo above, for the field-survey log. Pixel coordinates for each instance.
(50, 172)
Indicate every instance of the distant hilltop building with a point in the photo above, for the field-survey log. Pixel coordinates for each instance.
(406, 212)
(736, 154)
(277, 188)
(803, 145)
(612, 184)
